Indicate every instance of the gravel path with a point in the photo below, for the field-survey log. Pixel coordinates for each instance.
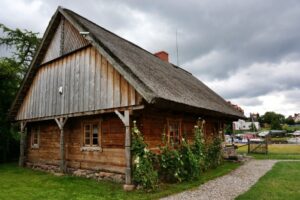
(231, 185)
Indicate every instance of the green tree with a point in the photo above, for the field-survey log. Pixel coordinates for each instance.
(12, 71)
(289, 120)
(275, 120)
(253, 127)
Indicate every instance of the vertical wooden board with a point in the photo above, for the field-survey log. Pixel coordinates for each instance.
(87, 72)
(76, 85)
(117, 89)
(26, 107)
(81, 83)
(38, 99)
(35, 97)
(104, 83)
(92, 79)
(124, 92)
(42, 90)
(67, 101)
(51, 87)
(46, 90)
(69, 80)
(110, 85)
(97, 80)
(138, 98)
(28, 110)
(57, 95)
(54, 46)
(132, 95)
(55, 81)
(63, 84)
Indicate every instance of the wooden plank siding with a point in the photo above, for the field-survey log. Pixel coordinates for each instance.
(89, 83)
(65, 40)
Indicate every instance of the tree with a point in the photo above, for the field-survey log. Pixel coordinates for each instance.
(289, 120)
(273, 119)
(23, 42)
(253, 127)
(12, 71)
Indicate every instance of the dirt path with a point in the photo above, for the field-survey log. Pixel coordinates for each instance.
(231, 185)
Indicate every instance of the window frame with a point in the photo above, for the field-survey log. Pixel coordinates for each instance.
(90, 146)
(169, 122)
(35, 131)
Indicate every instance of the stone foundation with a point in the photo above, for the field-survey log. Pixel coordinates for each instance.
(86, 173)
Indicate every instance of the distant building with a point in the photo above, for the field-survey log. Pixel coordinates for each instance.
(243, 125)
(296, 117)
(254, 117)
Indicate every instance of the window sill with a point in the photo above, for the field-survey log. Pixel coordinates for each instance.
(91, 149)
(34, 147)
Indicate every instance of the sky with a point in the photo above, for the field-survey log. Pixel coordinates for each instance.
(247, 51)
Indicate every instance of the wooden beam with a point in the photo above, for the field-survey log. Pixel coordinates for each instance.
(87, 113)
(126, 121)
(22, 143)
(61, 123)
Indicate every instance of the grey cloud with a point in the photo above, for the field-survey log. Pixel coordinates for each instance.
(219, 41)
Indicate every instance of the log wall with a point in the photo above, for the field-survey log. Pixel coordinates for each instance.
(110, 158)
(154, 124)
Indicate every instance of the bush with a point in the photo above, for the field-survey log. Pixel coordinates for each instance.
(198, 147)
(213, 156)
(174, 163)
(171, 164)
(191, 163)
(144, 173)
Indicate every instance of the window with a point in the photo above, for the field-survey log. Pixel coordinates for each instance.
(91, 134)
(174, 131)
(35, 137)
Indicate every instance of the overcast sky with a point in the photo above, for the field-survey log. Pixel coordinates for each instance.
(247, 51)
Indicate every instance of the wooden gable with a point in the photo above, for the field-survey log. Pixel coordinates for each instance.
(65, 40)
(87, 80)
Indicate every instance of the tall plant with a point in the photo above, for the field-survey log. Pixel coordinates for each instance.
(144, 173)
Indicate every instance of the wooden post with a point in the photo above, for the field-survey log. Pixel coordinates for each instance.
(22, 144)
(61, 123)
(248, 145)
(126, 121)
(266, 141)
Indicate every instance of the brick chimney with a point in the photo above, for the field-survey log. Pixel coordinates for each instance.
(162, 55)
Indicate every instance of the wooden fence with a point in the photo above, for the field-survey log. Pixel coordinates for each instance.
(258, 146)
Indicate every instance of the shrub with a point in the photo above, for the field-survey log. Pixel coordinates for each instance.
(191, 168)
(144, 173)
(170, 164)
(213, 156)
(198, 147)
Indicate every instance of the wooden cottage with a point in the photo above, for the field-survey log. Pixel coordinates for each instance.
(86, 85)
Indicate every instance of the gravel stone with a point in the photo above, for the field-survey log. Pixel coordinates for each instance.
(231, 185)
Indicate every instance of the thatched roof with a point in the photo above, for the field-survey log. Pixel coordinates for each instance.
(154, 79)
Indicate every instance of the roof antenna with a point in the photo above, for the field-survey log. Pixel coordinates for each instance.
(177, 49)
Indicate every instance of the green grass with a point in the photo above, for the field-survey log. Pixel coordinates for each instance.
(282, 182)
(25, 184)
(277, 151)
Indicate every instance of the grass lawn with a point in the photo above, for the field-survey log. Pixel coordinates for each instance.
(282, 182)
(24, 184)
(277, 151)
